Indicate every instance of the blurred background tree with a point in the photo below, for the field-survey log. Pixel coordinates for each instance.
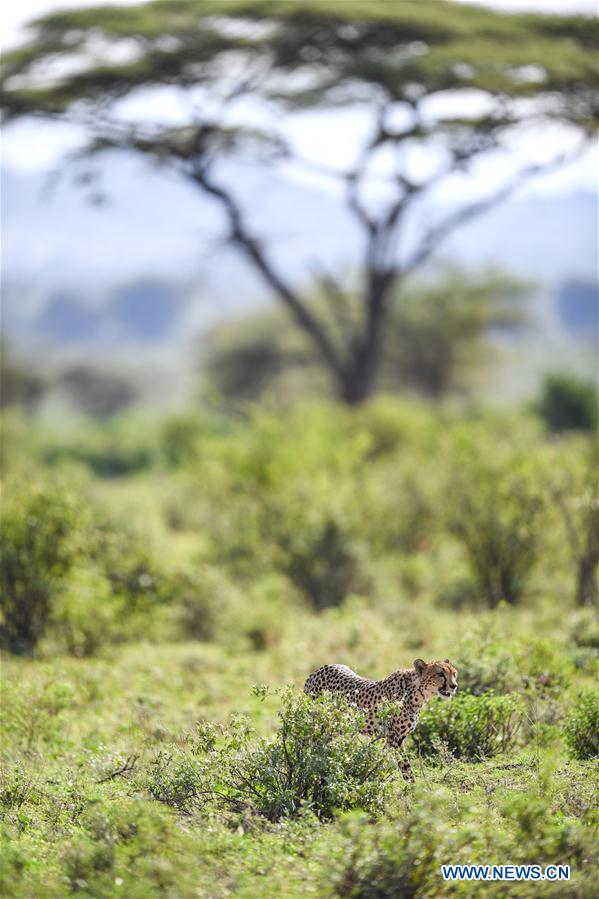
(568, 403)
(96, 393)
(240, 64)
(437, 341)
(19, 385)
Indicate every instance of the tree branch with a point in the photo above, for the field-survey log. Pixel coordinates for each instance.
(437, 234)
(122, 770)
(241, 236)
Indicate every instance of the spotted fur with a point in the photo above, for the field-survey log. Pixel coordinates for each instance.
(411, 687)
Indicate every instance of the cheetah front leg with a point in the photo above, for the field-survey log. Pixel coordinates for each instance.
(396, 732)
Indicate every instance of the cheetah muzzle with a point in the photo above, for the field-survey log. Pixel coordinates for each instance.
(412, 688)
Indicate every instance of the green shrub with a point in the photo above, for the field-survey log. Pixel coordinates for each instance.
(180, 438)
(436, 334)
(568, 404)
(319, 759)
(269, 507)
(572, 483)
(402, 857)
(175, 778)
(124, 556)
(469, 727)
(69, 571)
(326, 562)
(117, 845)
(488, 662)
(494, 512)
(459, 593)
(39, 542)
(396, 508)
(397, 858)
(582, 726)
(205, 600)
(316, 761)
(109, 460)
(86, 615)
(585, 631)
(116, 592)
(15, 789)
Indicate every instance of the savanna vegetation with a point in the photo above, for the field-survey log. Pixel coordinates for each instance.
(168, 585)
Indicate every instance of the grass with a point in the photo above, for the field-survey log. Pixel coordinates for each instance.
(72, 725)
(83, 735)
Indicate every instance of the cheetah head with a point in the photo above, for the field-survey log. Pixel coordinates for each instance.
(437, 678)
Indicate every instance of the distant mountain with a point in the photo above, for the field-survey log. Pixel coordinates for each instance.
(64, 319)
(578, 307)
(145, 266)
(146, 311)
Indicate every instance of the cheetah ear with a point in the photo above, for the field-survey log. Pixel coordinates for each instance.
(419, 665)
(447, 660)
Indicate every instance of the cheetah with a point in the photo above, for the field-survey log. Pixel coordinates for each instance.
(412, 687)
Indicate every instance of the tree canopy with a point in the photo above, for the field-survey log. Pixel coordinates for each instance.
(436, 77)
(403, 50)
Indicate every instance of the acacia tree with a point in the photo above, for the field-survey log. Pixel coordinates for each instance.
(410, 64)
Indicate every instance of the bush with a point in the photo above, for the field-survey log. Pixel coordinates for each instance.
(116, 592)
(582, 726)
(125, 558)
(572, 484)
(21, 384)
(568, 404)
(488, 662)
(119, 844)
(39, 543)
(120, 446)
(85, 616)
(585, 631)
(15, 789)
(436, 335)
(402, 857)
(495, 514)
(469, 727)
(396, 507)
(326, 562)
(268, 507)
(69, 571)
(205, 601)
(316, 761)
(395, 858)
(180, 438)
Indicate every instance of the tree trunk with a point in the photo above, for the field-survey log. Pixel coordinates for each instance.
(359, 380)
(357, 386)
(587, 585)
